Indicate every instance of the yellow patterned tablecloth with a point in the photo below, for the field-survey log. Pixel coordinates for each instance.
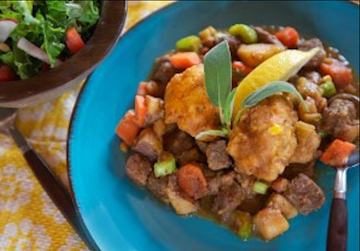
(28, 218)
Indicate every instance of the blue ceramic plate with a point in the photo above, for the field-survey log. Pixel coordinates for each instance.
(121, 216)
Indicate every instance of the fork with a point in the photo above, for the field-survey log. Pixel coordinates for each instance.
(48, 180)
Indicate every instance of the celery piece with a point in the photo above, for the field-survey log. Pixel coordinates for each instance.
(328, 89)
(247, 34)
(190, 43)
(165, 166)
(260, 187)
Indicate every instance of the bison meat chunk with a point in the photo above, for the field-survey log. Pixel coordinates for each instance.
(266, 37)
(307, 45)
(177, 142)
(138, 168)
(163, 71)
(227, 200)
(217, 157)
(157, 186)
(339, 119)
(305, 194)
(148, 144)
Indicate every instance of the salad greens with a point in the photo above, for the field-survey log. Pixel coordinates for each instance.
(44, 24)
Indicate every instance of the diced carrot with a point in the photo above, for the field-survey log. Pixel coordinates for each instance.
(127, 128)
(288, 37)
(6, 74)
(337, 153)
(244, 69)
(183, 60)
(74, 41)
(192, 180)
(340, 74)
(140, 110)
(142, 89)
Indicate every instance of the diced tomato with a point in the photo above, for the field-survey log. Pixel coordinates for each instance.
(288, 37)
(74, 41)
(191, 180)
(244, 69)
(183, 60)
(341, 75)
(6, 74)
(140, 110)
(337, 153)
(142, 89)
(45, 68)
(127, 128)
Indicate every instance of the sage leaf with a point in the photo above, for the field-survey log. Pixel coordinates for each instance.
(218, 74)
(217, 133)
(228, 108)
(270, 89)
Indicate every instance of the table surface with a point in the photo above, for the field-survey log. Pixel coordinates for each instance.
(28, 218)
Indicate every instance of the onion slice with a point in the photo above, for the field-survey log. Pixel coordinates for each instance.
(6, 27)
(34, 51)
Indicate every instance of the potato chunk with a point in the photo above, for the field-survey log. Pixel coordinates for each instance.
(270, 223)
(181, 205)
(278, 201)
(254, 54)
(187, 104)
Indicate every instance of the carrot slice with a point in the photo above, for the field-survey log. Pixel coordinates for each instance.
(140, 110)
(183, 60)
(74, 41)
(192, 180)
(244, 69)
(340, 74)
(288, 37)
(127, 128)
(337, 153)
(142, 89)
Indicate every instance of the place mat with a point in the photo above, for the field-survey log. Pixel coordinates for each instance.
(28, 218)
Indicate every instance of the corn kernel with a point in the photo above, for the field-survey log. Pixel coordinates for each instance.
(275, 129)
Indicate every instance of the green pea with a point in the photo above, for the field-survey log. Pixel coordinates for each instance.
(247, 34)
(328, 89)
(190, 43)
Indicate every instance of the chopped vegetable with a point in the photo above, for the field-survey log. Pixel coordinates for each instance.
(140, 110)
(34, 51)
(128, 129)
(190, 43)
(4, 47)
(243, 224)
(244, 69)
(208, 34)
(288, 37)
(254, 54)
(323, 134)
(340, 74)
(328, 89)
(260, 187)
(74, 41)
(183, 60)
(191, 180)
(337, 153)
(278, 201)
(142, 89)
(6, 74)
(247, 34)
(165, 166)
(6, 27)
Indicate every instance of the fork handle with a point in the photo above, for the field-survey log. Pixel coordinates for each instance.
(338, 226)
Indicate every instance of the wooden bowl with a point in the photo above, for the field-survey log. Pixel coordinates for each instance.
(63, 78)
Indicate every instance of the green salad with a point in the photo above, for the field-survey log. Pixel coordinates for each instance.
(38, 35)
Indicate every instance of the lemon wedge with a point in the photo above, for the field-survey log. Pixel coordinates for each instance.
(279, 67)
